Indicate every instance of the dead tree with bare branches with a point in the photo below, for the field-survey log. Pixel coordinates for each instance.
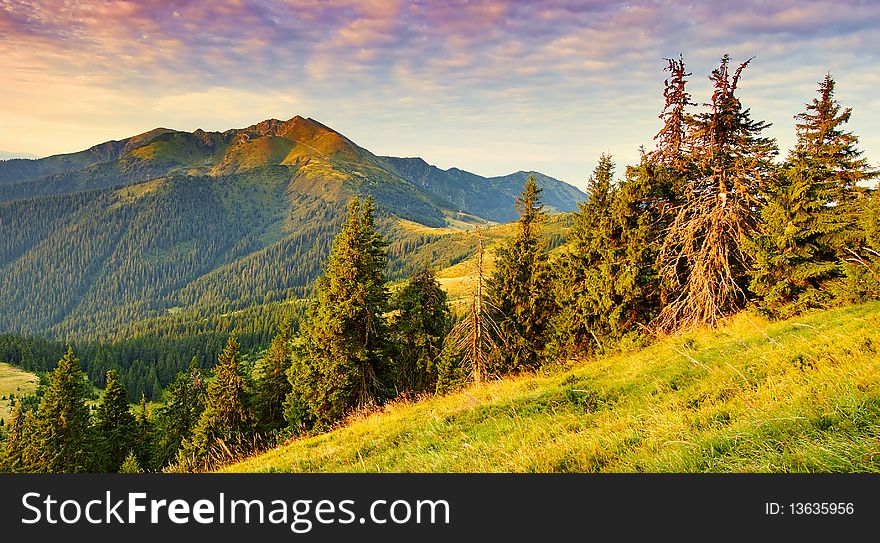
(476, 335)
(703, 250)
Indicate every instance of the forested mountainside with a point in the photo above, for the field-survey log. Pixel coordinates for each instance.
(171, 222)
(147, 352)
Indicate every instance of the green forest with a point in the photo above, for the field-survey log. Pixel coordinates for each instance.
(350, 314)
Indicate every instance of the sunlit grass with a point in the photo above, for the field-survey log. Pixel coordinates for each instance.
(796, 396)
(14, 381)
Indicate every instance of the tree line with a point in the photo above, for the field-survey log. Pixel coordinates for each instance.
(342, 357)
(709, 223)
(706, 224)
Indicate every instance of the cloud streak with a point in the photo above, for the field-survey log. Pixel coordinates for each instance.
(574, 78)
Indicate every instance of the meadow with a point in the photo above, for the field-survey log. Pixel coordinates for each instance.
(801, 395)
(17, 382)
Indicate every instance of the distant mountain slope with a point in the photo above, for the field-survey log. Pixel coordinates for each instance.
(21, 170)
(170, 221)
(493, 197)
(322, 162)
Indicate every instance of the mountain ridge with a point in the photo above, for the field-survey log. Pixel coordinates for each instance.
(319, 152)
(209, 222)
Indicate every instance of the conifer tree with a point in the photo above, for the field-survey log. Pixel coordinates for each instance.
(144, 436)
(184, 404)
(703, 253)
(607, 284)
(115, 429)
(812, 212)
(641, 214)
(452, 372)
(130, 464)
(14, 442)
(467, 347)
(519, 289)
(862, 266)
(342, 356)
(579, 278)
(226, 426)
(672, 140)
(420, 323)
(273, 386)
(59, 435)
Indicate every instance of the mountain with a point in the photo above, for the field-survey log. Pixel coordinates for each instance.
(321, 162)
(491, 198)
(168, 222)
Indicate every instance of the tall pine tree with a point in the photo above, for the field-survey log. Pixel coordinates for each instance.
(272, 385)
(226, 427)
(418, 326)
(114, 426)
(470, 342)
(144, 435)
(704, 251)
(519, 289)
(579, 276)
(342, 356)
(184, 403)
(812, 213)
(59, 437)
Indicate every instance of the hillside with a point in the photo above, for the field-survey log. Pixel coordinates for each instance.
(319, 160)
(457, 279)
(752, 396)
(479, 195)
(14, 381)
(175, 223)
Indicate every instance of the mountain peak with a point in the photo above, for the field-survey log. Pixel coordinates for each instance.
(295, 125)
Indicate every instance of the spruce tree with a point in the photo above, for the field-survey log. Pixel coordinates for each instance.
(14, 442)
(704, 251)
(811, 217)
(607, 284)
(130, 464)
(114, 426)
(59, 437)
(418, 326)
(184, 404)
(519, 289)
(862, 266)
(342, 356)
(579, 278)
(452, 372)
(226, 426)
(272, 385)
(144, 435)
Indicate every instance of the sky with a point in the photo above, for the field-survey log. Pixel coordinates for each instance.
(491, 87)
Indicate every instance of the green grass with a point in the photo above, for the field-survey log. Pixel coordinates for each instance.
(14, 381)
(752, 396)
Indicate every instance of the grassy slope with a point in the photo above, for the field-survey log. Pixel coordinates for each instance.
(14, 381)
(459, 280)
(752, 396)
